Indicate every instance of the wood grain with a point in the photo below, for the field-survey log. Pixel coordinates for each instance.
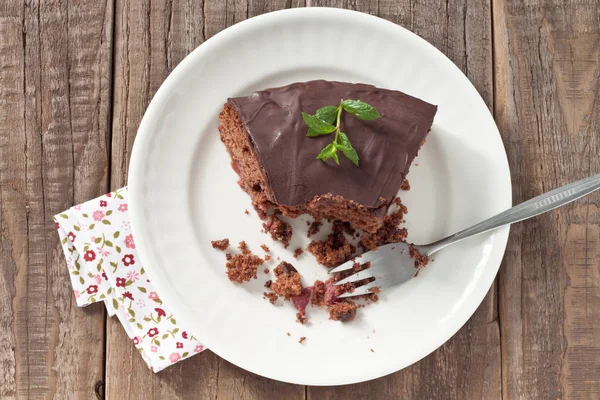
(548, 108)
(54, 109)
(468, 366)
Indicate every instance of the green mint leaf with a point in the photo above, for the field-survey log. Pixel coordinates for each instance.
(361, 109)
(327, 114)
(346, 147)
(317, 126)
(329, 151)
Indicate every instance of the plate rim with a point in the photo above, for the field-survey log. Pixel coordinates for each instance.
(141, 144)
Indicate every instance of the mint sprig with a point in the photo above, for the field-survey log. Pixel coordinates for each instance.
(322, 124)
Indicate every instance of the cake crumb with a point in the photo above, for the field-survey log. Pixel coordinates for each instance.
(301, 318)
(266, 270)
(336, 249)
(243, 267)
(420, 259)
(268, 284)
(297, 252)
(313, 228)
(267, 257)
(389, 232)
(302, 339)
(343, 311)
(405, 185)
(243, 247)
(265, 248)
(222, 244)
(246, 212)
(372, 351)
(288, 334)
(288, 283)
(279, 230)
(272, 297)
(228, 256)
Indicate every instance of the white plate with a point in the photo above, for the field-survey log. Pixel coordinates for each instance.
(184, 194)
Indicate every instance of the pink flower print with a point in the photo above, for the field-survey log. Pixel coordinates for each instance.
(153, 296)
(89, 256)
(152, 332)
(179, 345)
(133, 276)
(102, 252)
(109, 194)
(136, 340)
(128, 295)
(153, 349)
(76, 292)
(123, 207)
(120, 282)
(98, 278)
(104, 275)
(77, 207)
(103, 203)
(126, 225)
(129, 243)
(198, 348)
(71, 236)
(98, 215)
(174, 357)
(57, 225)
(140, 303)
(160, 312)
(184, 335)
(128, 260)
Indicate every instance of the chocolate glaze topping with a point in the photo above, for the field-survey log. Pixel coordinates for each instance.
(386, 146)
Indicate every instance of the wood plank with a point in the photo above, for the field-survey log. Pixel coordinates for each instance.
(547, 107)
(151, 38)
(55, 84)
(468, 365)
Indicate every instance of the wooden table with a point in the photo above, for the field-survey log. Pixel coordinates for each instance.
(75, 79)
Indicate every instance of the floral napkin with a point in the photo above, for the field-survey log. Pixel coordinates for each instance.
(104, 266)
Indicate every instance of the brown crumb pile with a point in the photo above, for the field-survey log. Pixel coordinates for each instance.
(242, 267)
(272, 297)
(389, 232)
(313, 228)
(302, 339)
(420, 259)
(325, 294)
(222, 244)
(265, 248)
(288, 283)
(405, 185)
(278, 229)
(336, 249)
(297, 252)
(318, 294)
(343, 311)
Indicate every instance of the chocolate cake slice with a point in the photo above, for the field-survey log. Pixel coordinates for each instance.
(266, 137)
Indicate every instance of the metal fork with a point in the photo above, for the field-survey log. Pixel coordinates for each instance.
(392, 265)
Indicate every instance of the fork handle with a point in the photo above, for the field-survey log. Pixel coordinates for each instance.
(536, 206)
